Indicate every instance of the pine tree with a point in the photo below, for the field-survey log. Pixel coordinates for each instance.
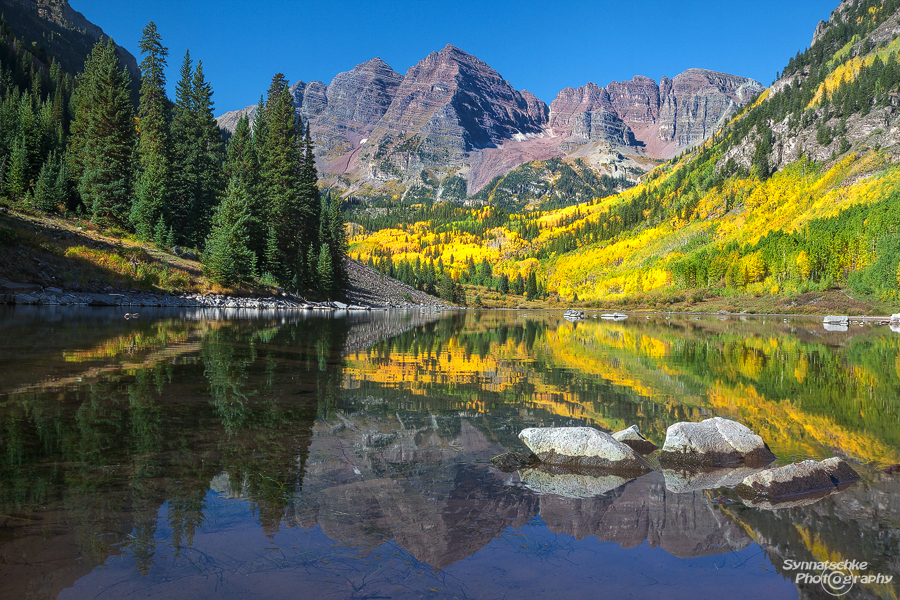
(307, 188)
(531, 287)
(504, 284)
(242, 166)
(338, 246)
(278, 175)
(160, 232)
(154, 150)
(47, 194)
(210, 155)
(228, 258)
(184, 153)
(325, 272)
(16, 174)
(106, 142)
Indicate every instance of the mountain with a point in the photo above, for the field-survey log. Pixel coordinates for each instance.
(790, 200)
(61, 32)
(452, 124)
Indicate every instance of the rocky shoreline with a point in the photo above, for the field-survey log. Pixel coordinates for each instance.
(368, 290)
(51, 296)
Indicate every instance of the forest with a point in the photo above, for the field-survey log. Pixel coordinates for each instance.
(160, 170)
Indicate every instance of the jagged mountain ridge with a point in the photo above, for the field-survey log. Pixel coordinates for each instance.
(452, 115)
(63, 32)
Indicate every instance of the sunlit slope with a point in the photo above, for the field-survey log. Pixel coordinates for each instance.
(800, 192)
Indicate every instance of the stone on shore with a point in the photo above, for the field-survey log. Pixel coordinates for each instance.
(634, 438)
(713, 442)
(795, 482)
(581, 447)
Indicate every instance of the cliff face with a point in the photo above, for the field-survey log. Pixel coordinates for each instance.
(64, 32)
(660, 120)
(453, 116)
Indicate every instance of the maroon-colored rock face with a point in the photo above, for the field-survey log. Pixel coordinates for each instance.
(458, 104)
(453, 113)
(664, 119)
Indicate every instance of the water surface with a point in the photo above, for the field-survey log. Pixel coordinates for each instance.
(226, 454)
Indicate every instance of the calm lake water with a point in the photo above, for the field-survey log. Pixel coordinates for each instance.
(228, 454)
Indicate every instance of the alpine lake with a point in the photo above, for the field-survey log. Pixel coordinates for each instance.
(289, 454)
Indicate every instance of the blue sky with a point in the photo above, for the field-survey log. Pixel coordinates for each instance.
(539, 46)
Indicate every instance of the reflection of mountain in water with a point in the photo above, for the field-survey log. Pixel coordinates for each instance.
(427, 485)
(110, 420)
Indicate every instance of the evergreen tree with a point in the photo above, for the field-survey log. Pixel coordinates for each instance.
(153, 137)
(338, 247)
(160, 233)
(325, 272)
(210, 155)
(105, 147)
(228, 258)
(16, 174)
(447, 288)
(531, 287)
(278, 175)
(48, 195)
(242, 167)
(184, 153)
(307, 188)
(504, 284)
(197, 155)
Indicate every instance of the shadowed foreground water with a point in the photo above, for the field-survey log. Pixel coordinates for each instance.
(220, 454)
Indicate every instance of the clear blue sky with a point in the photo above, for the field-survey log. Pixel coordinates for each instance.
(539, 46)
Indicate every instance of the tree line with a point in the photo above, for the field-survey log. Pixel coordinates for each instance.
(161, 169)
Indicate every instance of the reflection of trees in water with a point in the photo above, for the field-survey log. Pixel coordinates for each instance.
(192, 401)
(806, 393)
(146, 433)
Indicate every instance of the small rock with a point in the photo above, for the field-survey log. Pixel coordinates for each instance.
(836, 319)
(633, 437)
(581, 447)
(713, 442)
(513, 461)
(892, 469)
(53, 290)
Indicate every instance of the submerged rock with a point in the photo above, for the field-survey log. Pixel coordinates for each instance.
(634, 438)
(583, 483)
(684, 481)
(513, 461)
(798, 483)
(713, 442)
(581, 447)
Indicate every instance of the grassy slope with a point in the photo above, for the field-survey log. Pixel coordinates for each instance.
(74, 254)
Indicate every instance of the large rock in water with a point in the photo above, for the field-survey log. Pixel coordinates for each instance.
(799, 479)
(713, 442)
(582, 447)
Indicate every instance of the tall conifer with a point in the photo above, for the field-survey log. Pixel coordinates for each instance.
(106, 143)
(277, 171)
(184, 152)
(154, 150)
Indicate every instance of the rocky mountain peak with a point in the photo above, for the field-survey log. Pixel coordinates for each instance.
(452, 115)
